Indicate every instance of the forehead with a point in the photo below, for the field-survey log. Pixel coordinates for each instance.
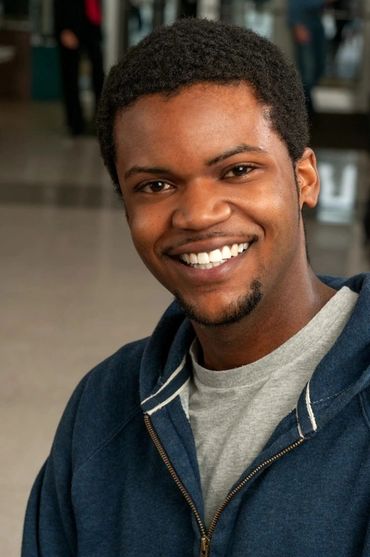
(195, 117)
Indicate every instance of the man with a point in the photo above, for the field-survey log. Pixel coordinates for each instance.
(78, 29)
(241, 426)
(305, 20)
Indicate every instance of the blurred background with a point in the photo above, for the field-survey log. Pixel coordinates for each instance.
(73, 289)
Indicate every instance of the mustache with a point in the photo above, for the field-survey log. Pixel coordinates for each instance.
(201, 236)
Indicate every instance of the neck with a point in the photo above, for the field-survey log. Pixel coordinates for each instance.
(266, 328)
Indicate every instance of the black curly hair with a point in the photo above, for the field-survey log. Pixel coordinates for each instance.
(197, 50)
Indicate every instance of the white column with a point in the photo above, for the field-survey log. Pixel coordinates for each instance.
(112, 30)
(47, 17)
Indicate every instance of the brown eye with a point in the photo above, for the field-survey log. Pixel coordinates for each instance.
(238, 170)
(156, 187)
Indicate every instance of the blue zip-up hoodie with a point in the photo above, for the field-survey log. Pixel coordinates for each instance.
(122, 478)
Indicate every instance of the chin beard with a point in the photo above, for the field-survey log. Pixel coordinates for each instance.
(236, 311)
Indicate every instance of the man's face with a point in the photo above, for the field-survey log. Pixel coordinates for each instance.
(211, 198)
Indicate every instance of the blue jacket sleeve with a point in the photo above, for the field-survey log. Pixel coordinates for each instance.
(51, 522)
(49, 527)
(298, 9)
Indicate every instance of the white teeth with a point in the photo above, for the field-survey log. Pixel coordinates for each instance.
(226, 252)
(203, 258)
(214, 258)
(207, 265)
(234, 250)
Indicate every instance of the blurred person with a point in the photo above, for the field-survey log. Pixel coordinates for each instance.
(188, 8)
(305, 21)
(78, 30)
(241, 425)
(342, 20)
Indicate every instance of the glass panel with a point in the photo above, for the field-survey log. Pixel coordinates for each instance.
(41, 15)
(144, 15)
(259, 18)
(344, 29)
(339, 172)
(252, 14)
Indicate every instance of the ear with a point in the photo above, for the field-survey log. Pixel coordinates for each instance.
(307, 179)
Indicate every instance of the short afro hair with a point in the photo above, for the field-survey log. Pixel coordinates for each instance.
(193, 51)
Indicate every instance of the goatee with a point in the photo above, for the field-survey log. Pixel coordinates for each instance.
(235, 312)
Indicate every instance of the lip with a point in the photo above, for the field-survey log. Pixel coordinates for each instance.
(201, 277)
(200, 246)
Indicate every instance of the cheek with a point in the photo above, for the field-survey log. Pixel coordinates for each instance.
(277, 214)
(140, 234)
(271, 204)
(146, 229)
(283, 197)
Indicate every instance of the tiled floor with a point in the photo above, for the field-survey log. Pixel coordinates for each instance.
(73, 289)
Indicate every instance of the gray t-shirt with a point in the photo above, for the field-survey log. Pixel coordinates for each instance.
(234, 412)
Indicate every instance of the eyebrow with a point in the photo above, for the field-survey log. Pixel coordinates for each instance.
(147, 169)
(243, 148)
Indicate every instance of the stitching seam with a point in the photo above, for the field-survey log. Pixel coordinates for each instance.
(107, 440)
(315, 402)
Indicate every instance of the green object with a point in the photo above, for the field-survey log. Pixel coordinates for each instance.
(45, 73)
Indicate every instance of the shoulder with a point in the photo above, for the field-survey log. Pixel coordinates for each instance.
(104, 402)
(358, 283)
(117, 374)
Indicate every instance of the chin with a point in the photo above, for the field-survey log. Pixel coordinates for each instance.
(232, 313)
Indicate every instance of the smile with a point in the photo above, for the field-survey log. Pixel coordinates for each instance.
(214, 258)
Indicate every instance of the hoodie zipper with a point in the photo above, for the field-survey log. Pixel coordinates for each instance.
(205, 537)
(158, 445)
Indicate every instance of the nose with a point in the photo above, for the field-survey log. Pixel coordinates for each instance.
(200, 206)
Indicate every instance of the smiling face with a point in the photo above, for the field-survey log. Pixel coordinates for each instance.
(213, 200)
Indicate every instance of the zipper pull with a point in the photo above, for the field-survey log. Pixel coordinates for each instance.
(204, 546)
